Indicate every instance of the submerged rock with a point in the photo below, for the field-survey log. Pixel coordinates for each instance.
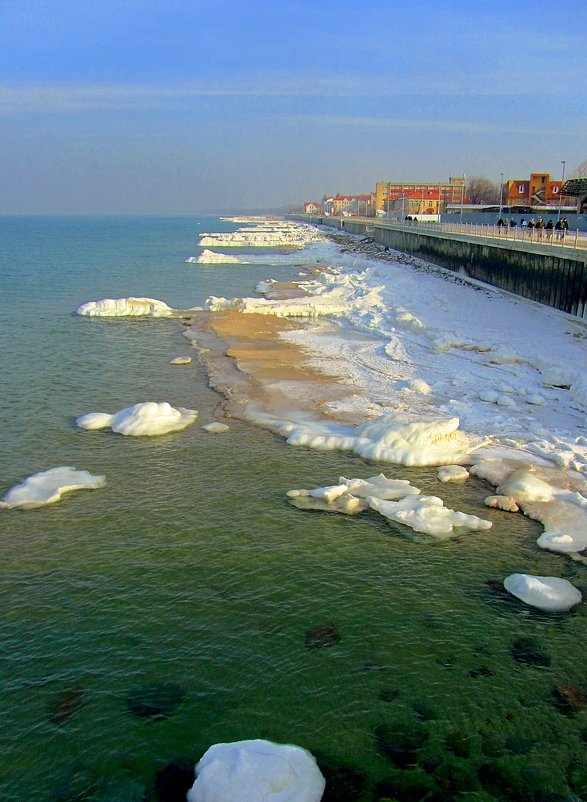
(401, 742)
(529, 650)
(569, 699)
(157, 700)
(343, 783)
(326, 635)
(412, 785)
(174, 780)
(65, 705)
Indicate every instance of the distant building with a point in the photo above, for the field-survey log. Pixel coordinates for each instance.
(348, 205)
(413, 202)
(538, 190)
(312, 207)
(434, 195)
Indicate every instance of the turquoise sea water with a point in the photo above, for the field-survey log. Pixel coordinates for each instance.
(190, 568)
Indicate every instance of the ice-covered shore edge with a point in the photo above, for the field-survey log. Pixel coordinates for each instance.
(521, 400)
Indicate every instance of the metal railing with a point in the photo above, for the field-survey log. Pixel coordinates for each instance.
(535, 236)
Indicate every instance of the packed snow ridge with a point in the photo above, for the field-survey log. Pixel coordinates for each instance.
(257, 771)
(146, 419)
(125, 307)
(48, 486)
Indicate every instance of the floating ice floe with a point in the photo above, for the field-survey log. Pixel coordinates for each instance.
(544, 592)
(452, 473)
(48, 486)
(427, 514)
(145, 419)
(180, 360)
(257, 771)
(125, 307)
(349, 496)
(215, 427)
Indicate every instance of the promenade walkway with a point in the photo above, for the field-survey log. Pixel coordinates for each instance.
(518, 238)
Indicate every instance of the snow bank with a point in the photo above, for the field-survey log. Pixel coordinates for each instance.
(145, 419)
(544, 592)
(47, 487)
(393, 438)
(257, 771)
(125, 307)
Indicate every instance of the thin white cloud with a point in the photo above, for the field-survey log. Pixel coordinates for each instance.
(449, 126)
(72, 98)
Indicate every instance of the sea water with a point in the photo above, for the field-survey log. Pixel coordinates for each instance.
(190, 568)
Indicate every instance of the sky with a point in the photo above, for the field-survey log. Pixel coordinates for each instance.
(185, 106)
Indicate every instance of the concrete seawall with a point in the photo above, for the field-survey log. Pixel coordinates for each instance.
(548, 274)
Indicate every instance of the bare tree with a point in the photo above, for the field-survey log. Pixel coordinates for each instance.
(580, 170)
(481, 189)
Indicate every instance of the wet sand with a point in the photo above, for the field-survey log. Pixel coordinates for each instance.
(260, 374)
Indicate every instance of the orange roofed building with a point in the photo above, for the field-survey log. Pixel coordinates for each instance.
(539, 190)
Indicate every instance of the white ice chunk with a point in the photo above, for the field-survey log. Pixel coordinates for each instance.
(47, 487)
(212, 258)
(525, 486)
(380, 487)
(452, 473)
(427, 514)
(401, 440)
(535, 399)
(578, 392)
(346, 504)
(544, 592)
(145, 419)
(180, 360)
(125, 307)
(420, 386)
(215, 427)
(505, 503)
(257, 771)
(330, 492)
(490, 396)
(95, 420)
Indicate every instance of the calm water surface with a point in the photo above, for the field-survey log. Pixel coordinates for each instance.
(190, 568)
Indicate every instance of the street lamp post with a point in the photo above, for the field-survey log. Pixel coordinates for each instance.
(560, 194)
(501, 196)
(463, 196)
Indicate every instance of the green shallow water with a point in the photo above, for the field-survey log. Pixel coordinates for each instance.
(190, 567)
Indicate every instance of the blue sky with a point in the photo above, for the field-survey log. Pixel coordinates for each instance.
(167, 107)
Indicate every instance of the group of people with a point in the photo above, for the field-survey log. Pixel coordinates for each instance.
(561, 226)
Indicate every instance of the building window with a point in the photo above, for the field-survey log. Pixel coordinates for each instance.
(521, 189)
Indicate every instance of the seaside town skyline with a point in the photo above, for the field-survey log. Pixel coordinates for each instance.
(538, 191)
(125, 107)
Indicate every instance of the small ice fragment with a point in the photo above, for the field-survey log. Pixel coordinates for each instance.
(427, 514)
(544, 592)
(47, 487)
(535, 399)
(329, 493)
(420, 386)
(380, 487)
(504, 400)
(488, 395)
(125, 307)
(215, 427)
(506, 503)
(452, 473)
(180, 360)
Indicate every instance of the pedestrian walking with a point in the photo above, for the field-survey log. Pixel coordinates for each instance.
(540, 227)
